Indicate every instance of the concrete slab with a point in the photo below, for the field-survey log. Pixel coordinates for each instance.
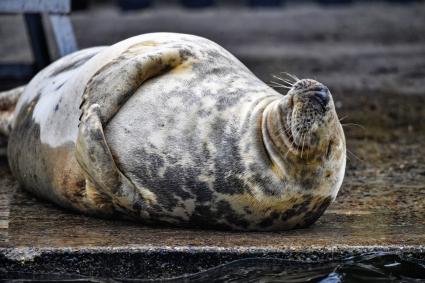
(380, 208)
(375, 69)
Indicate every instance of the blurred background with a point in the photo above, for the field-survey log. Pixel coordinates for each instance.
(371, 54)
(367, 46)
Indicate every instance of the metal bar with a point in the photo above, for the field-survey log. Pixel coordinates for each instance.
(38, 40)
(64, 34)
(35, 6)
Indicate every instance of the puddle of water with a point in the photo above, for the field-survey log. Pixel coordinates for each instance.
(367, 268)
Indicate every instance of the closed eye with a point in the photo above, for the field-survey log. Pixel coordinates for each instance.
(329, 151)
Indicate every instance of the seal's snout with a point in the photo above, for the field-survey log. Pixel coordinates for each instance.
(311, 111)
(311, 95)
(322, 96)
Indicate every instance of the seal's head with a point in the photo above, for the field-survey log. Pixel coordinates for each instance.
(306, 139)
(310, 122)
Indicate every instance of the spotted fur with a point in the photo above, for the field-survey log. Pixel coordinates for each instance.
(172, 128)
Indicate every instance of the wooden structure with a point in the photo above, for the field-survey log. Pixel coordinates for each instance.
(57, 12)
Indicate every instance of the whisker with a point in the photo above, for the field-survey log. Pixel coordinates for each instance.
(342, 118)
(354, 124)
(348, 158)
(288, 129)
(354, 155)
(288, 82)
(278, 85)
(294, 77)
(302, 147)
(283, 130)
(283, 80)
(289, 149)
(286, 154)
(307, 154)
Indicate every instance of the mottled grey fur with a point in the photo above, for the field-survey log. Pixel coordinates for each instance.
(171, 128)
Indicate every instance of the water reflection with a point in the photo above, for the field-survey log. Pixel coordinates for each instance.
(366, 268)
(378, 267)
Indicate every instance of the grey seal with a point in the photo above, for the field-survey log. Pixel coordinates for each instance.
(172, 129)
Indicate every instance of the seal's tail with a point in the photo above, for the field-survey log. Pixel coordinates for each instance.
(8, 100)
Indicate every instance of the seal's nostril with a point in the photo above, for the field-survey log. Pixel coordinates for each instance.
(323, 96)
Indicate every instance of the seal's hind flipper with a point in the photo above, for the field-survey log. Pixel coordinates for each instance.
(8, 100)
(110, 88)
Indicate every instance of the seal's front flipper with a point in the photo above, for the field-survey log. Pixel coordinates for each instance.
(8, 100)
(97, 162)
(115, 82)
(110, 88)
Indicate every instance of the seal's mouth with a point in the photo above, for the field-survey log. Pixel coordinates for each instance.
(303, 136)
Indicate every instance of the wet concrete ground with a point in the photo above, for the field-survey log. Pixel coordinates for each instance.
(373, 60)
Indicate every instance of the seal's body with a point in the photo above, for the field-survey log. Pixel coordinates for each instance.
(171, 128)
